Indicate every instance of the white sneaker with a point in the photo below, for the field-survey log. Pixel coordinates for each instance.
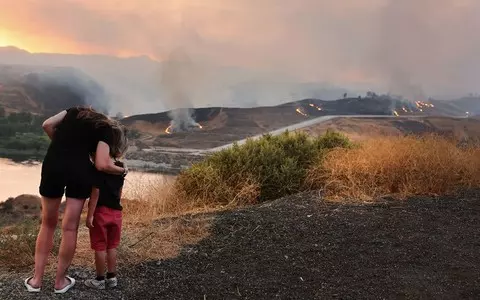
(112, 282)
(96, 284)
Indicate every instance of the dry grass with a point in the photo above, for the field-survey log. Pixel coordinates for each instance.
(207, 189)
(155, 226)
(154, 241)
(399, 166)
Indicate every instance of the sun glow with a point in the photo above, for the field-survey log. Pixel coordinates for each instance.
(6, 39)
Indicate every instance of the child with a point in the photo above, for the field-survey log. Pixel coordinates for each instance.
(104, 220)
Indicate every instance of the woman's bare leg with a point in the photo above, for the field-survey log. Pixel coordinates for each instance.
(70, 222)
(44, 243)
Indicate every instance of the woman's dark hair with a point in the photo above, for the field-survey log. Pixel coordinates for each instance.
(99, 120)
(91, 115)
(120, 142)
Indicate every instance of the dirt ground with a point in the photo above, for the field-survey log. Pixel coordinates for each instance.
(301, 247)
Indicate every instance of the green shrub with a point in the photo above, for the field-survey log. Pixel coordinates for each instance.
(133, 134)
(259, 170)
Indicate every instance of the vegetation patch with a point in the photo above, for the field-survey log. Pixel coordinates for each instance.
(257, 171)
(398, 167)
(22, 136)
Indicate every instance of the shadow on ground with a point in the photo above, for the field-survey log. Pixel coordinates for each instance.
(303, 248)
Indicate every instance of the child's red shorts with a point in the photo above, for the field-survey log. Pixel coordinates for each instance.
(107, 227)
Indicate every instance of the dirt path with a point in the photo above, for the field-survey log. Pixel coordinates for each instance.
(303, 248)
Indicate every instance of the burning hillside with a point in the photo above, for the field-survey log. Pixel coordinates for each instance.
(182, 120)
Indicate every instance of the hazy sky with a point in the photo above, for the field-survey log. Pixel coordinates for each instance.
(403, 45)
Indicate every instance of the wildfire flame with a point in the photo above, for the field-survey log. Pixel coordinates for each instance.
(168, 130)
(299, 110)
(395, 113)
(317, 107)
(421, 105)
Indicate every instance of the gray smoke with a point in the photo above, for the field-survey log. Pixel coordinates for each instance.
(427, 47)
(263, 53)
(60, 88)
(180, 80)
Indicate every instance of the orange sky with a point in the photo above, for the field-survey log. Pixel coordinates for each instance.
(47, 44)
(433, 41)
(273, 35)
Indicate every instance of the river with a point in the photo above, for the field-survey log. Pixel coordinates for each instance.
(22, 178)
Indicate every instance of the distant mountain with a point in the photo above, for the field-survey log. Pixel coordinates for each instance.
(124, 80)
(47, 90)
(136, 80)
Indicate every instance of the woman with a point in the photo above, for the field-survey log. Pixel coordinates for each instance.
(74, 134)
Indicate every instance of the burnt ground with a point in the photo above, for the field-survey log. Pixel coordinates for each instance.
(301, 247)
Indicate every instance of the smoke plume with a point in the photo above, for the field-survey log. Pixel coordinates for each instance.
(427, 47)
(179, 82)
(60, 88)
(260, 52)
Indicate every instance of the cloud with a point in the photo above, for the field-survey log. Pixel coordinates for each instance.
(384, 44)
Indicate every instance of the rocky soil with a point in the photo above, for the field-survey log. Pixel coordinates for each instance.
(301, 247)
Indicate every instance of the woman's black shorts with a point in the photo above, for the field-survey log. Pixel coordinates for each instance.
(70, 176)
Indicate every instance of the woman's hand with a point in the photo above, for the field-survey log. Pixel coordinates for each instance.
(89, 222)
(51, 123)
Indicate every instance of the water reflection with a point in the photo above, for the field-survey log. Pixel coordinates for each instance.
(24, 178)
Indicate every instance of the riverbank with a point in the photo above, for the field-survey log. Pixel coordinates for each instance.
(163, 160)
(19, 178)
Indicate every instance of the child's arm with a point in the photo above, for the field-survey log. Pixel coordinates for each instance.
(92, 204)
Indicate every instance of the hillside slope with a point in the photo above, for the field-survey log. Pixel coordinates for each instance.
(47, 90)
(302, 247)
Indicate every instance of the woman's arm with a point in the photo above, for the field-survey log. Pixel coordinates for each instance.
(51, 123)
(104, 163)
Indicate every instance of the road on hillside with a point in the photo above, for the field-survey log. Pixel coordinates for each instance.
(292, 127)
(307, 124)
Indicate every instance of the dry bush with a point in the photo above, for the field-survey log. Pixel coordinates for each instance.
(205, 187)
(400, 166)
(259, 170)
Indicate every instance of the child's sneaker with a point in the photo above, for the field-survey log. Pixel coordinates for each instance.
(112, 282)
(96, 284)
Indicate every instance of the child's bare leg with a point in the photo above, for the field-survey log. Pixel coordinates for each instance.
(112, 261)
(99, 281)
(100, 263)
